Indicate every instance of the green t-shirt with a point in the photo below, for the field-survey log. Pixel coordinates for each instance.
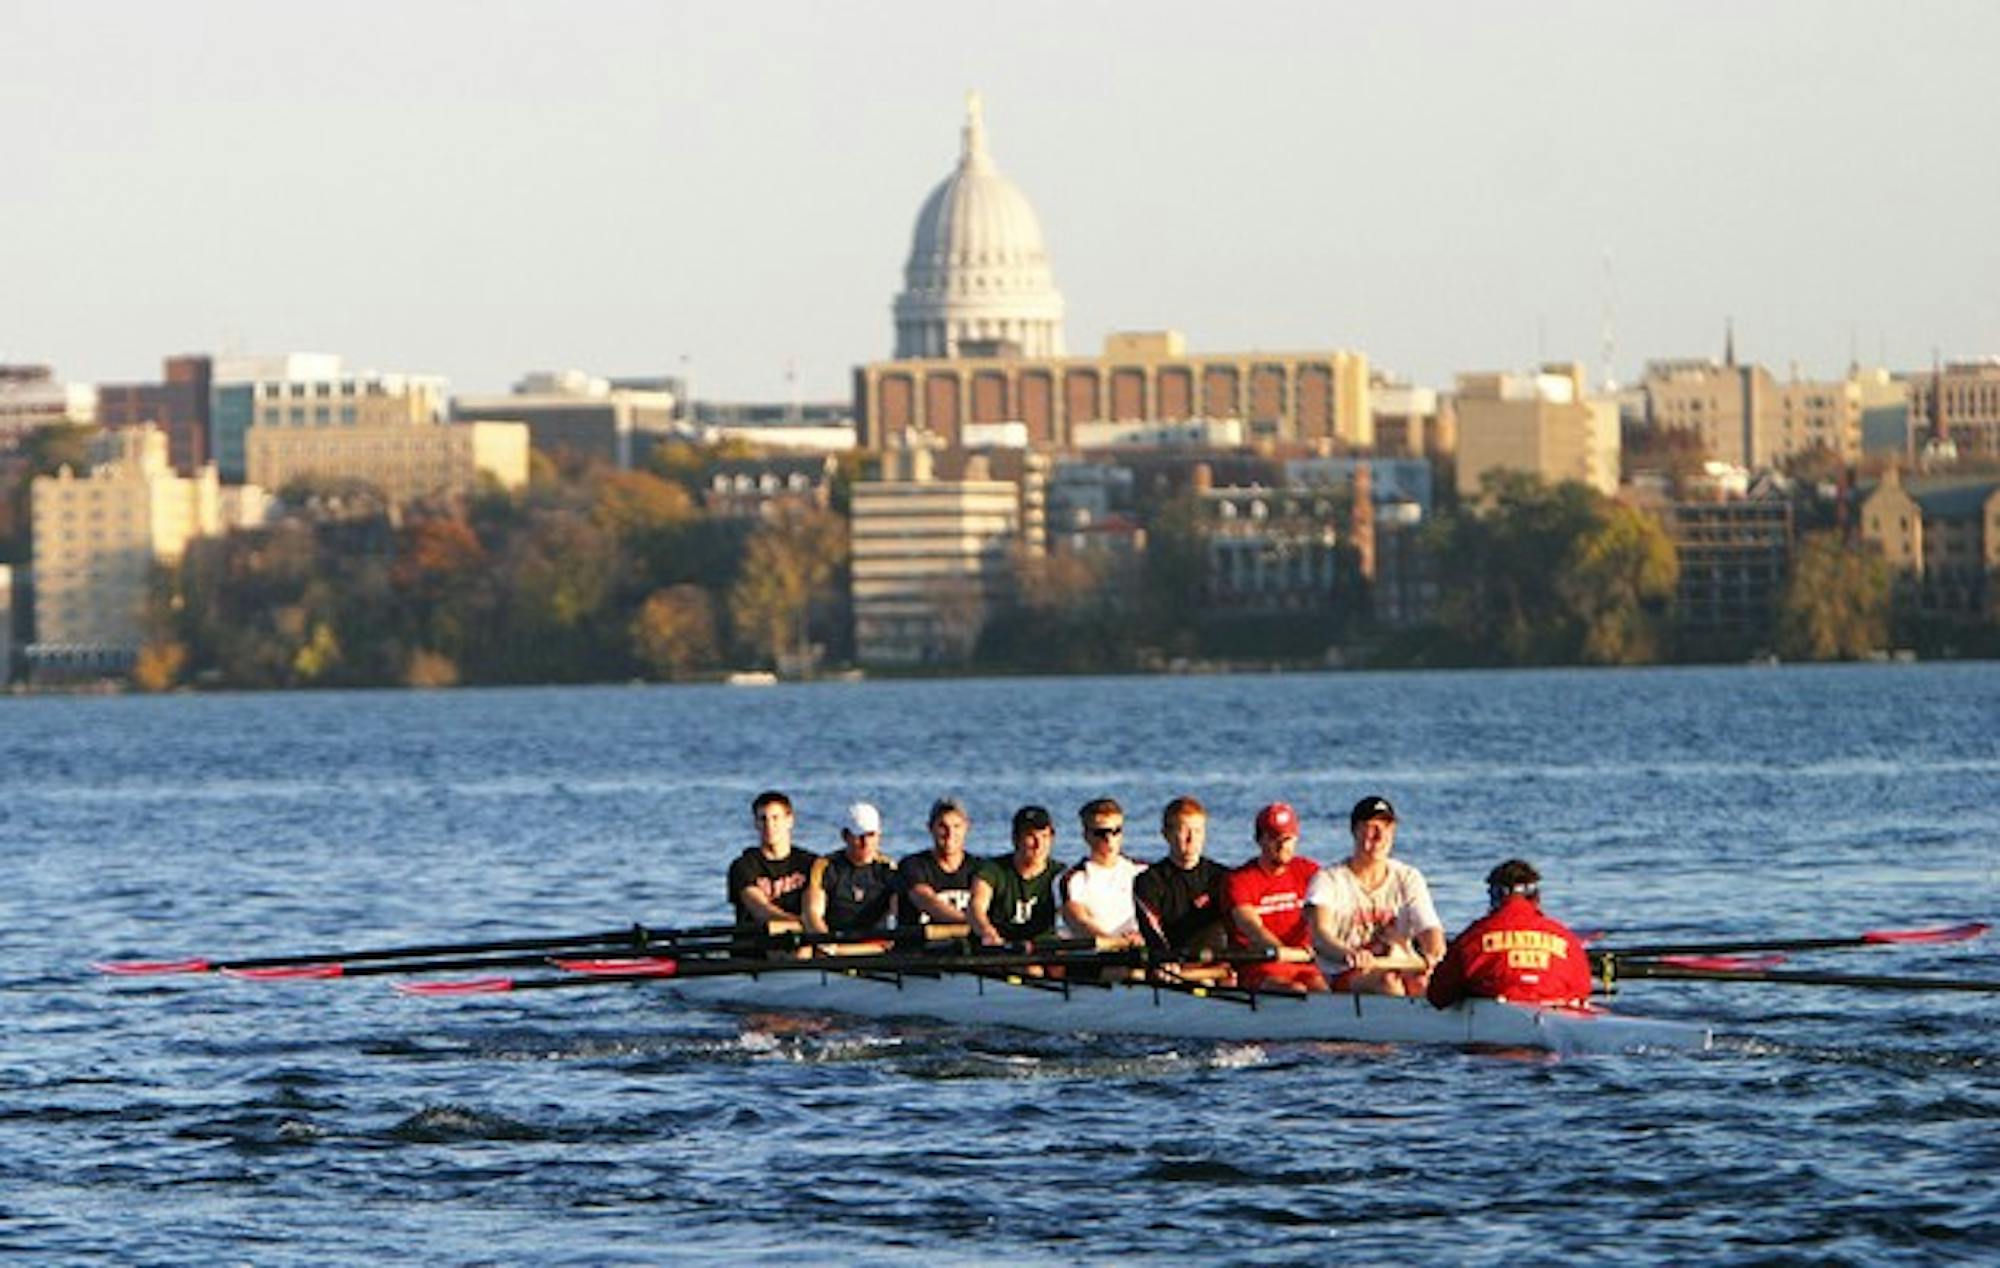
(1023, 908)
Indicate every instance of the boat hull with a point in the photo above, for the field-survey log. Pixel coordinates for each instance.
(967, 999)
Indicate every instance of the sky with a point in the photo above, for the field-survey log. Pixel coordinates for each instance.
(485, 188)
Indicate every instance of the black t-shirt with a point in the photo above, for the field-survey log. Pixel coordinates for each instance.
(951, 887)
(783, 881)
(1191, 904)
(858, 895)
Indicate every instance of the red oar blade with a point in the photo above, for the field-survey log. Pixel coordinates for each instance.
(286, 972)
(1724, 963)
(648, 966)
(148, 968)
(1948, 933)
(463, 986)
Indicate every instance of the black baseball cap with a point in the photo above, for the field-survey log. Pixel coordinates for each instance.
(1031, 819)
(1371, 808)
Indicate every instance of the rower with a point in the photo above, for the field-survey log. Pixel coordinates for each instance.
(1183, 899)
(937, 883)
(1097, 893)
(1513, 952)
(1372, 915)
(1267, 905)
(767, 882)
(853, 890)
(1013, 896)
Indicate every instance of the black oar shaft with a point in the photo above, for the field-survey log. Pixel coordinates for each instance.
(1795, 977)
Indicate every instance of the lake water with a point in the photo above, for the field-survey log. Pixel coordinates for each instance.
(200, 1120)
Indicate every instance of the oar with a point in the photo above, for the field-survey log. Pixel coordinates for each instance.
(614, 973)
(835, 944)
(636, 936)
(1794, 977)
(1872, 938)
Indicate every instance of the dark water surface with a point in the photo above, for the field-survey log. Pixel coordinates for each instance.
(200, 1120)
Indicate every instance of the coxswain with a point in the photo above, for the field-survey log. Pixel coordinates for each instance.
(1097, 893)
(1013, 896)
(854, 889)
(1183, 900)
(937, 883)
(767, 882)
(1513, 952)
(1372, 915)
(1267, 906)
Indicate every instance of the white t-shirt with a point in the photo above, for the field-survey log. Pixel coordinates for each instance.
(1390, 915)
(1104, 892)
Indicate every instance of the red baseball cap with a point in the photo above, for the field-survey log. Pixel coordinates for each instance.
(1277, 819)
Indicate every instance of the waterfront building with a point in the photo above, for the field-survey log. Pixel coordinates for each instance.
(31, 396)
(248, 390)
(97, 539)
(405, 461)
(977, 279)
(1410, 421)
(930, 559)
(1271, 550)
(760, 488)
(1959, 402)
(1941, 539)
(179, 404)
(1545, 424)
(584, 416)
(1735, 554)
(7, 633)
(1148, 379)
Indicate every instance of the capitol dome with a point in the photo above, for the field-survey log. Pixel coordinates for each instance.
(978, 278)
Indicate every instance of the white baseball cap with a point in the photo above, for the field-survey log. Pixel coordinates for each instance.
(863, 818)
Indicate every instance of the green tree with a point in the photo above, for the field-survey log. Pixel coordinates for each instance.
(1618, 580)
(1499, 570)
(1836, 602)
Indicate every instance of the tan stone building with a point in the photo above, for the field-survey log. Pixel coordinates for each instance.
(1141, 377)
(930, 559)
(405, 461)
(1546, 424)
(1748, 417)
(98, 538)
(1941, 540)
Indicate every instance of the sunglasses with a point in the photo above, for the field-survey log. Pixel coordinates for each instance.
(1101, 833)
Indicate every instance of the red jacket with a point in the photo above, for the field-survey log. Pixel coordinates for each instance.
(1516, 953)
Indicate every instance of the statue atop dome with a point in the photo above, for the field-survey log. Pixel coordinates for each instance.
(978, 275)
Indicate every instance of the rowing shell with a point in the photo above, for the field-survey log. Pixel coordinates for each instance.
(968, 999)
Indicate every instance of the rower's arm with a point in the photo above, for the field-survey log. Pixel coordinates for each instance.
(1329, 945)
(761, 909)
(925, 899)
(982, 924)
(1253, 928)
(815, 904)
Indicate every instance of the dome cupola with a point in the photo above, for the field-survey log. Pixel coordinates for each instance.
(977, 281)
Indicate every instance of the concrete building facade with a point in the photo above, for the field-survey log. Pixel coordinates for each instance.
(31, 396)
(1545, 424)
(1961, 400)
(1142, 377)
(1734, 555)
(930, 559)
(98, 538)
(587, 417)
(404, 461)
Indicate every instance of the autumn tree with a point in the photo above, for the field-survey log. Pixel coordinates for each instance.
(1836, 602)
(674, 633)
(790, 568)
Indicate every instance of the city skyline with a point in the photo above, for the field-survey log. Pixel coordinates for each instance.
(480, 191)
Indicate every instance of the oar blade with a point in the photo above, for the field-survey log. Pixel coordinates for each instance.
(645, 966)
(150, 968)
(1948, 933)
(285, 972)
(458, 986)
(1723, 963)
